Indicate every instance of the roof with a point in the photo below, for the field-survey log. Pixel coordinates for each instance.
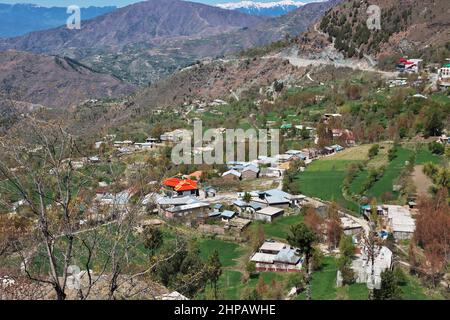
(176, 201)
(233, 172)
(228, 214)
(251, 168)
(270, 211)
(263, 257)
(272, 246)
(287, 255)
(214, 214)
(400, 219)
(181, 184)
(190, 206)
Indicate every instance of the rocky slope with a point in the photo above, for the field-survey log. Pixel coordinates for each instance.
(53, 81)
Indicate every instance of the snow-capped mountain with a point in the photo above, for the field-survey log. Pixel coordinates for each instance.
(270, 9)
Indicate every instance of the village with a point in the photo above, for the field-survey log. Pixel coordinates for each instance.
(225, 207)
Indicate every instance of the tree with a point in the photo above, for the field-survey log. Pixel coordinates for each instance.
(432, 234)
(257, 237)
(303, 238)
(247, 197)
(250, 267)
(250, 294)
(372, 246)
(334, 226)
(373, 151)
(389, 289)
(215, 270)
(347, 251)
(436, 148)
(153, 239)
(313, 221)
(261, 287)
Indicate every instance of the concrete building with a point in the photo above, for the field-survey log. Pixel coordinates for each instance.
(277, 257)
(400, 221)
(268, 214)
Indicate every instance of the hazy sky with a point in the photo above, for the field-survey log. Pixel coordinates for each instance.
(86, 3)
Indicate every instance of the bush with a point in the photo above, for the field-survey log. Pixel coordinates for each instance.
(373, 151)
(348, 275)
(436, 148)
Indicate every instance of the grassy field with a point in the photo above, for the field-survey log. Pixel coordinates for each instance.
(323, 179)
(279, 229)
(229, 252)
(392, 172)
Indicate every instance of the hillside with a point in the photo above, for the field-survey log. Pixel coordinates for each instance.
(146, 41)
(53, 81)
(408, 27)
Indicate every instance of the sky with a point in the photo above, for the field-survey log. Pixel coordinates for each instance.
(100, 3)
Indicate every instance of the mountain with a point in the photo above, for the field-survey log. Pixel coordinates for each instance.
(19, 19)
(147, 41)
(417, 28)
(268, 9)
(150, 22)
(53, 81)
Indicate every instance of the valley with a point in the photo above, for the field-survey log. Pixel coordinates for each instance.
(350, 201)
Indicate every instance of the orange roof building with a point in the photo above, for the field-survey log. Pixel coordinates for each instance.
(182, 186)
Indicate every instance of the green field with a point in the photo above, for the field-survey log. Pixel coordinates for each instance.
(229, 252)
(280, 227)
(323, 179)
(392, 172)
(424, 156)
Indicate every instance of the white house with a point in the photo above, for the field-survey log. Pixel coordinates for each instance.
(269, 214)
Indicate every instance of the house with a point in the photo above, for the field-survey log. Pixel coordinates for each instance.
(175, 135)
(268, 214)
(182, 187)
(153, 140)
(210, 192)
(399, 221)
(238, 224)
(366, 211)
(297, 154)
(247, 207)
(120, 144)
(362, 266)
(227, 215)
(279, 198)
(276, 256)
(181, 207)
(250, 172)
(231, 175)
(328, 116)
(337, 148)
(350, 226)
(444, 76)
(144, 145)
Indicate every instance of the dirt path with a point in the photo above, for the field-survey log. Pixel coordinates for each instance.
(422, 182)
